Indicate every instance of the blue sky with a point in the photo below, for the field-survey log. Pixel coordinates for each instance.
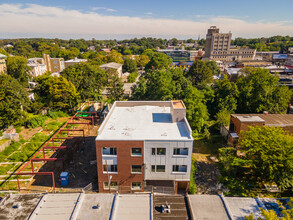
(162, 18)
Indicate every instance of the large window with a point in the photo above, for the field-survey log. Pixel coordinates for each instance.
(158, 151)
(136, 151)
(136, 185)
(180, 168)
(110, 168)
(136, 169)
(109, 151)
(158, 168)
(113, 185)
(180, 151)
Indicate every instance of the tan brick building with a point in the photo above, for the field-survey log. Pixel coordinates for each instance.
(218, 47)
(144, 144)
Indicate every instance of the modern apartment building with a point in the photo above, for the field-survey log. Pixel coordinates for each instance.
(144, 143)
(3, 67)
(53, 64)
(218, 47)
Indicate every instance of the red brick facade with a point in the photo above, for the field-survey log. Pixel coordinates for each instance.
(124, 177)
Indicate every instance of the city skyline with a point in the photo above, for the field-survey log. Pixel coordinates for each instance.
(118, 20)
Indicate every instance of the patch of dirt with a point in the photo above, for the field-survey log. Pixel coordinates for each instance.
(206, 178)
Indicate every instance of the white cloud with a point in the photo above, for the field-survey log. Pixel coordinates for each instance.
(103, 8)
(148, 13)
(37, 20)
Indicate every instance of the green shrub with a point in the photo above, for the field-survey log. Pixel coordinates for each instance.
(132, 77)
(10, 149)
(18, 129)
(192, 186)
(56, 114)
(18, 156)
(36, 121)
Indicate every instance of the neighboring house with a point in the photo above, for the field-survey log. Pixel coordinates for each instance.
(241, 122)
(74, 61)
(3, 67)
(53, 64)
(113, 66)
(38, 66)
(142, 144)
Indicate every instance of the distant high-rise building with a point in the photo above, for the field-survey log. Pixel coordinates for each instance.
(216, 41)
(218, 47)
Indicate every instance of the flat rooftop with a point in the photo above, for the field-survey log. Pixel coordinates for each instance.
(18, 206)
(56, 206)
(270, 119)
(241, 207)
(132, 207)
(143, 122)
(89, 210)
(208, 207)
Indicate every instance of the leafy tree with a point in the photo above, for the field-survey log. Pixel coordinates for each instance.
(129, 65)
(225, 96)
(17, 67)
(271, 155)
(260, 91)
(132, 77)
(142, 60)
(56, 92)
(158, 61)
(88, 79)
(13, 97)
(115, 57)
(115, 88)
(174, 42)
(199, 73)
(149, 52)
(213, 66)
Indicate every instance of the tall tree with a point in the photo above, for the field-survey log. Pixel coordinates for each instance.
(17, 67)
(115, 88)
(158, 61)
(270, 151)
(89, 80)
(260, 91)
(12, 98)
(129, 65)
(56, 92)
(200, 74)
(115, 57)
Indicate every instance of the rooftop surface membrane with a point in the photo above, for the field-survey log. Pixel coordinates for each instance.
(208, 207)
(143, 123)
(133, 207)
